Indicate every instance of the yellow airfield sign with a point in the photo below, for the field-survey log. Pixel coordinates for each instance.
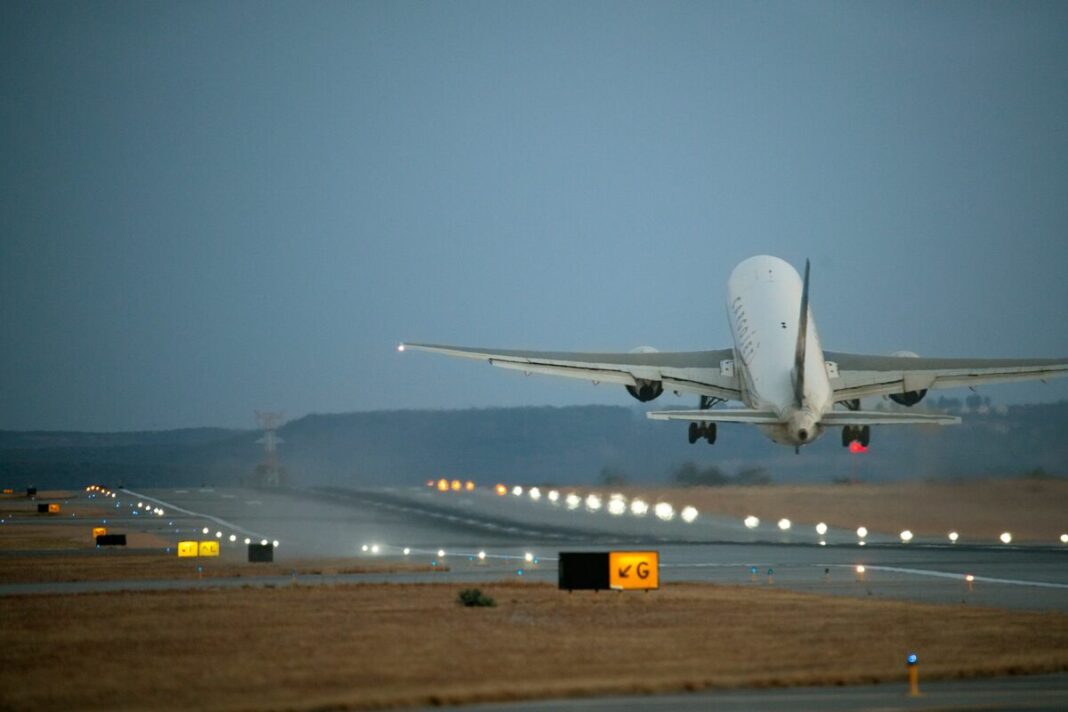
(99, 531)
(208, 548)
(187, 548)
(634, 570)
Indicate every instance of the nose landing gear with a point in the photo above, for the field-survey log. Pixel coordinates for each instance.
(859, 433)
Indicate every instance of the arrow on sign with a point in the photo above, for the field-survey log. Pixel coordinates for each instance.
(624, 572)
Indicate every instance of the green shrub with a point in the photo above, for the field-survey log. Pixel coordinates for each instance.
(473, 597)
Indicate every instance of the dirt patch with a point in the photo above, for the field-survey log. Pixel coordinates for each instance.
(1033, 510)
(366, 646)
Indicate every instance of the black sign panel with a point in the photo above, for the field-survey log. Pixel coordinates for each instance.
(580, 570)
(260, 553)
(111, 540)
(42, 508)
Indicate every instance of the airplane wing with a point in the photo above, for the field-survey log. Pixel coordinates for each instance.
(701, 372)
(862, 417)
(860, 375)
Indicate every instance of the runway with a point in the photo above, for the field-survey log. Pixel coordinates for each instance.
(342, 522)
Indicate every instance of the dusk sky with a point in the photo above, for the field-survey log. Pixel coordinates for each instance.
(215, 207)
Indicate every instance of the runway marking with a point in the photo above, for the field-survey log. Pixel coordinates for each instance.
(201, 515)
(957, 577)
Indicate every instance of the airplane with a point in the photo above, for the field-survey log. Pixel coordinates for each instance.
(777, 368)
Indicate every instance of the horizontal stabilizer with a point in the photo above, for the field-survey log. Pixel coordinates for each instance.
(740, 415)
(860, 417)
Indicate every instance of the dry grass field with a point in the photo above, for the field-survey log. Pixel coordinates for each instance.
(367, 646)
(1035, 510)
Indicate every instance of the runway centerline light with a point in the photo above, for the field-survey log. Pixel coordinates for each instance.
(969, 578)
(906, 536)
(554, 496)
(517, 491)
(862, 532)
(953, 536)
(1006, 538)
(752, 522)
(593, 502)
(785, 524)
(535, 493)
(573, 501)
(639, 507)
(821, 528)
(616, 507)
(861, 569)
(689, 514)
(664, 511)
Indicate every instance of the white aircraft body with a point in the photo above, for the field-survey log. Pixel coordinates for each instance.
(777, 368)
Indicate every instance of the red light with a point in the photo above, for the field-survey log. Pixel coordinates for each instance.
(855, 447)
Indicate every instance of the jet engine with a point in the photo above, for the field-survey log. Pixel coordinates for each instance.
(908, 398)
(643, 389)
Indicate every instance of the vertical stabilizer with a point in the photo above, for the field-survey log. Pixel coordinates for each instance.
(799, 353)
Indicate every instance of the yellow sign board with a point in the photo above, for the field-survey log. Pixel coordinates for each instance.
(634, 570)
(187, 548)
(99, 531)
(208, 548)
(8, 490)
(53, 508)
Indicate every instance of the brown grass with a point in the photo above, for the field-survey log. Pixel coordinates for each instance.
(366, 646)
(1030, 509)
(109, 565)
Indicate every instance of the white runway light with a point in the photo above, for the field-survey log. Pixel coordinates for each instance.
(263, 542)
(906, 536)
(1064, 538)
(364, 548)
(535, 493)
(275, 543)
(1006, 538)
(554, 496)
(664, 511)
(785, 524)
(517, 491)
(639, 507)
(481, 556)
(441, 553)
(821, 528)
(862, 532)
(573, 501)
(233, 537)
(374, 548)
(218, 535)
(247, 540)
(528, 557)
(407, 551)
(752, 522)
(593, 503)
(953, 536)
(616, 507)
(689, 514)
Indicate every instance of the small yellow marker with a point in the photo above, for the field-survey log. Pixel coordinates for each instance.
(99, 531)
(208, 548)
(187, 549)
(53, 508)
(912, 661)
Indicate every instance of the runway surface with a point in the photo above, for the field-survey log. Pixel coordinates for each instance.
(342, 522)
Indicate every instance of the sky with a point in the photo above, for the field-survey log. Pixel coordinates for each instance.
(211, 208)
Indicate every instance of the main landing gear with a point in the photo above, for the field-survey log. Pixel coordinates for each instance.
(702, 430)
(859, 433)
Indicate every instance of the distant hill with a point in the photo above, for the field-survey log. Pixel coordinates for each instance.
(566, 445)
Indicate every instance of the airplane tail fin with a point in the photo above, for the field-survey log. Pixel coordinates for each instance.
(799, 352)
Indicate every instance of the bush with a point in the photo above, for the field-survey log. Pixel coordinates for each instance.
(473, 597)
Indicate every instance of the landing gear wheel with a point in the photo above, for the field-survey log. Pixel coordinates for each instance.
(695, 432)
(848, 435)
(865, 435)
(710, 433)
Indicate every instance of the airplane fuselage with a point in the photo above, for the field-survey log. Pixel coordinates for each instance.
(763, 306)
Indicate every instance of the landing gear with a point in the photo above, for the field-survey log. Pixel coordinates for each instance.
(702, 430)
(858, 433)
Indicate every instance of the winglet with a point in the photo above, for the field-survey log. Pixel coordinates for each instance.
(799, 353)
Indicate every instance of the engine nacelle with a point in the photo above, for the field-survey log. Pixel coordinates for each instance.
(908, 398)
(645, 390)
